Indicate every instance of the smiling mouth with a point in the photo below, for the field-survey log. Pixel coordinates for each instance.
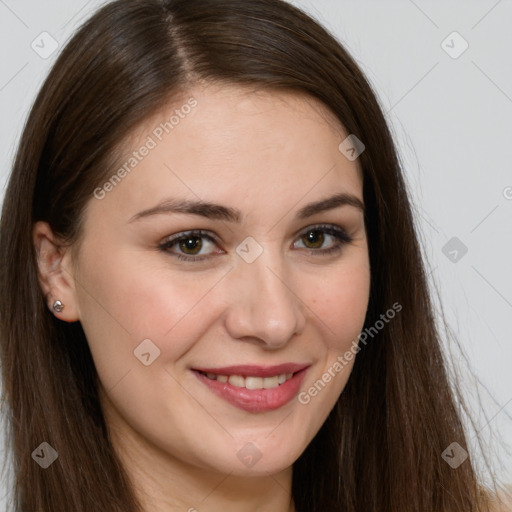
(254, 389)
(250, 382)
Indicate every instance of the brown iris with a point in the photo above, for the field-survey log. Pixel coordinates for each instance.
(191, 243)
(314, 237)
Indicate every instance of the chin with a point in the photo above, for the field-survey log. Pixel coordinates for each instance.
(263, 456)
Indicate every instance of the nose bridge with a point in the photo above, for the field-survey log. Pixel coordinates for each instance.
(264, 306)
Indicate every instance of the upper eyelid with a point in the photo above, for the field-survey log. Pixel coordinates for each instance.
(216, 238)
(190, 232)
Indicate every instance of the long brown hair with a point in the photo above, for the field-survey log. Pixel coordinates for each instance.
(380, 448)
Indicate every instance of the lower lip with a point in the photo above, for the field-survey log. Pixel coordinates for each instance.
(255, 400)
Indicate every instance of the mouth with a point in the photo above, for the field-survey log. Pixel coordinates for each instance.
(251, 382)
(254, 388)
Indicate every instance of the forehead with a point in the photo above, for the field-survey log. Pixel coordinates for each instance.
(234, 144)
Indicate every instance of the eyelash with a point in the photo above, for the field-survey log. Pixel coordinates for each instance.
(338, 233)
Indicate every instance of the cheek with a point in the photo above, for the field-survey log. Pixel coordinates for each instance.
(125, 298)
(340, 302)
(339, 305)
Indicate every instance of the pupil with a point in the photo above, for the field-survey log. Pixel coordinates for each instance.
(191, 244)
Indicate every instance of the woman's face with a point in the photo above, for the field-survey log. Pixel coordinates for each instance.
(267, 292)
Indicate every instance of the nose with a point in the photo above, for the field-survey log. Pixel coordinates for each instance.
(264, 307)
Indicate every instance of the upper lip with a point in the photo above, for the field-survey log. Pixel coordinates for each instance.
(255, 370)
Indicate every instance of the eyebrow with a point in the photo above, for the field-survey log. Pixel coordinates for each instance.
(220, 212)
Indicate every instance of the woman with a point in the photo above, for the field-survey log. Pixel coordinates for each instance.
(223, 301)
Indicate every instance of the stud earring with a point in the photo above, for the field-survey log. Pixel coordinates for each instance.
(58, 306)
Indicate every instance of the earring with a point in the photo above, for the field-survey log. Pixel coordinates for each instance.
(58, 306)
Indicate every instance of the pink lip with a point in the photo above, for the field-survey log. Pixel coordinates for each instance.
(255, 400)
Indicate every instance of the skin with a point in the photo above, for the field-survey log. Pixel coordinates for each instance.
(266, 154)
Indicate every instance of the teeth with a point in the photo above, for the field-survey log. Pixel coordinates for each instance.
(270, 382)
(252, 382)
(237, 381)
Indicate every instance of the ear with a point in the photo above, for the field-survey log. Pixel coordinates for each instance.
(55, 272)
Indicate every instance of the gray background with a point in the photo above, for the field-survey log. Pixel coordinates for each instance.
(450, 115)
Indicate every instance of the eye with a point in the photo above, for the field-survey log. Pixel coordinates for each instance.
(194, 245)
(315, 237)
(190, 244)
